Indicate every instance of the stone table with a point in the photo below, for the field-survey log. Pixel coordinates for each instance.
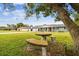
(44, 35)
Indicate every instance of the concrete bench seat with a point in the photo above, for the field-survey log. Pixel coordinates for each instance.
(37, 42)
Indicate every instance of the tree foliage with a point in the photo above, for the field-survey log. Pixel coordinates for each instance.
(47, 10)
(21, 25)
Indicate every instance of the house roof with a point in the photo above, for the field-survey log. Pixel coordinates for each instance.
(43, 26)
(24, 28)
(57, 25)
(51, 25)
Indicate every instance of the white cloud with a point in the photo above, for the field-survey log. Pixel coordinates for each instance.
(19, 13)
(5, 13)
(20, 3)
(0, 8)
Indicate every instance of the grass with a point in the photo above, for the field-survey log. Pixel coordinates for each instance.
(64, 37)
(14, 44)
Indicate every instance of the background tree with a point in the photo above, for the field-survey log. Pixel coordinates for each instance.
(21, 25)
(8, 27)
(11, 27)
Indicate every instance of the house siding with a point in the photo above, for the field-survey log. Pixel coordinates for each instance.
(46, 28)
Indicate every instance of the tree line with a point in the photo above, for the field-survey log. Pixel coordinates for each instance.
(13, 26)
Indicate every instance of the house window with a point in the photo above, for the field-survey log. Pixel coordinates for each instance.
(50, 29)
(31, 29)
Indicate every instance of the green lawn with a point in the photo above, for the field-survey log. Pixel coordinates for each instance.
(64, 37)
(14, 44)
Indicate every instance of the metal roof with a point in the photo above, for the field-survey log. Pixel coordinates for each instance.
(43, 26)
(52, 25)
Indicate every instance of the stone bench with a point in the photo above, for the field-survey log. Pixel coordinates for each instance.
(37, 42)
(40, 43)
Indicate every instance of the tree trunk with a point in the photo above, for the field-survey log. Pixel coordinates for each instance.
(71, 26)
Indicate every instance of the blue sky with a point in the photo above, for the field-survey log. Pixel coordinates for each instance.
(17, 16)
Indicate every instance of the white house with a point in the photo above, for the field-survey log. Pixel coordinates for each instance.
(35, 28)
(52, 28)
(46, 28)
(24, 29)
